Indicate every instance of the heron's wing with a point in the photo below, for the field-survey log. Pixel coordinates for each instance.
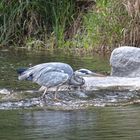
(48, 67)
(36, 71)
(51, 79)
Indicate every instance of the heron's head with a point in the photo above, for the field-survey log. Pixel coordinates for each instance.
(22, 75)
(86, 72)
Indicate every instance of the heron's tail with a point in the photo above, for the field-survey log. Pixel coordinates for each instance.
(21, 70)
(24, 74)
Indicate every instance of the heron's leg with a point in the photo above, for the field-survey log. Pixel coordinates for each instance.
(45, 91)
(55, 94)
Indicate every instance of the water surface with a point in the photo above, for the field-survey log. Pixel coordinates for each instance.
(101, 123)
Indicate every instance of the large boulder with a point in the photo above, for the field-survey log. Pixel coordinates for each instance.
(125, 62)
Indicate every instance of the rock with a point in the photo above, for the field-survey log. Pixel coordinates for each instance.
(4, 91)
(108, 83)
(125, 62)
(97, 91)
(111, 83)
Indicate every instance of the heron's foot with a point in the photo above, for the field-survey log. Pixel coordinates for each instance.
(43, 98)
(56, 99)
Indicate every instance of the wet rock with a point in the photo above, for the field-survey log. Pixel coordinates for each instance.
(72, 102)
(4, 91)
(109, 83)
(125, 62)
(28, 103)
(81, 95)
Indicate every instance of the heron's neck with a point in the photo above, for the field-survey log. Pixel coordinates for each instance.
(77, 80)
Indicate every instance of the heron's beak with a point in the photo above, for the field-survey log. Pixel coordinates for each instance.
(96, 74)
(87, 73)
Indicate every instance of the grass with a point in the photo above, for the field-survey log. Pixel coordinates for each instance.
(60, 23)
(22, 21)
(102, 26)
(109, 24)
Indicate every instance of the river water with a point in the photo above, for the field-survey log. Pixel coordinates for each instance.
(98, 123)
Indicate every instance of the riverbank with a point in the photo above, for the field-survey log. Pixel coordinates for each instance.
(84, 24)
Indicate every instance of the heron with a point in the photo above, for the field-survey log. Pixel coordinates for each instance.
(51, 74)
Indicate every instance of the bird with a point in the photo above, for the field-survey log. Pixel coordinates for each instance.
(86, 72)
(51, 74)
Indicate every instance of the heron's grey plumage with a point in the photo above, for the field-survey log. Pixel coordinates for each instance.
(38, 70)
(52, 74)
(51, 79)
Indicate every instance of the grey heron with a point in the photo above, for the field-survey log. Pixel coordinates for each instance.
(53, 74)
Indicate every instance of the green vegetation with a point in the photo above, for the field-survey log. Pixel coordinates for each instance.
(28, 21)
(111, 23)
(69, 23)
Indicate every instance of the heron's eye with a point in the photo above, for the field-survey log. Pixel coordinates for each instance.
(83, 71)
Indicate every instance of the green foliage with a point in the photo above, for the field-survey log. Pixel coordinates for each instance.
(48, 23)
(111, 23)
(23, 19)
(104, 25)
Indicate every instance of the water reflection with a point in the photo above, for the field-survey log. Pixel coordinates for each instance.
(99, 123)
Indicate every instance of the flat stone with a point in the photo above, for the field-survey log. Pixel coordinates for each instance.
(112, 83)
(106, 83)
